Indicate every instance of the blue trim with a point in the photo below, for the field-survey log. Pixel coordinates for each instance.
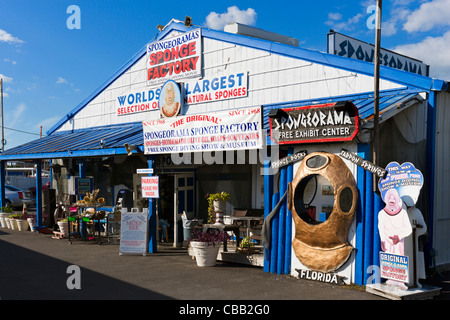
(368, 225)
(2, 184)
(288, 239)
(282, 222)
(274, 236)
(152, 236)
(268, 193)
(39, 194)
(363, 150)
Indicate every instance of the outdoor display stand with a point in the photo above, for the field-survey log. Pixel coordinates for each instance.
(134, 232)
(82, 219)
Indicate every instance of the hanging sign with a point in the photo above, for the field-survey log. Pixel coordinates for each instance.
(330, 122)
(238, 129)
(150, 187)
(366, 165)
(174, 58)
(83, 185)
(133, 233)
(218, 88)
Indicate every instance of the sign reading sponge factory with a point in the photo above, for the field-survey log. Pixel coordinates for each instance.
(174, 58)
(330, 122)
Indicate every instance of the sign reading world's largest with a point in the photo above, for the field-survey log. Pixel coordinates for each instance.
(238, 129)
(174, 58)
(330, 122)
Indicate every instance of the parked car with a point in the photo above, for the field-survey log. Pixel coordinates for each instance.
(17, 197)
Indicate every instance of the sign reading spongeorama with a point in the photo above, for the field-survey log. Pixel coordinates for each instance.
(174, 58)
(238, 129)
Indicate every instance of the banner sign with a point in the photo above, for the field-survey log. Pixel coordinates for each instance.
(83, 185)
(218, 88)
(138, 101)
(174, 58)
(298, 156)
(150, 187)
(238, 129)
(133, 233)
(316, 123)
(394, 267)
(366, 165)
(344, 46)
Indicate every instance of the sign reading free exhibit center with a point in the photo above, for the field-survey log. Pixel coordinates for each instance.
(174, 58)
(238, 129)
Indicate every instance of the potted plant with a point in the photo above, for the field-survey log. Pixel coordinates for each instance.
(63, 226)
(216, 203)
(246, 246)
(205, 246)
(5, 212)
(13, 218)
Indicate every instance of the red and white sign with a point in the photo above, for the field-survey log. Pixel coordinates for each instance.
(150, 187)
(238, 129)
(223, 87)
(174, 58)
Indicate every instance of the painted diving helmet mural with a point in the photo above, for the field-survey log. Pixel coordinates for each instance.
(323, 246)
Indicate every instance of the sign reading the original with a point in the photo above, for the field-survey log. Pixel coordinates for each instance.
(174, 58)
(366, 165)
(150, 187)
(344, 46)
(317, 123)
(138, 101)
(238, 129)
(215, 89)
(394, 267)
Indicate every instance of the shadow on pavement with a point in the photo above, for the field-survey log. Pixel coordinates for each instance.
(19, 279)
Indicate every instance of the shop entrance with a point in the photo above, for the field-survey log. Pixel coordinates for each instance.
(177, 196)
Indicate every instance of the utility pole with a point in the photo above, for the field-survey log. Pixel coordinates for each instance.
(376, 91)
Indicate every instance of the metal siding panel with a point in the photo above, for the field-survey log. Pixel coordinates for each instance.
(442, 180)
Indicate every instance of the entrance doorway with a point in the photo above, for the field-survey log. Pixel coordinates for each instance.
(177, 196)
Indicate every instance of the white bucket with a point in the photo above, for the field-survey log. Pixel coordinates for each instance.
(8, 224)
(13, 224)
(22, 224)
(205, 255)
(3, 216)
(63, 227)
(31, 223)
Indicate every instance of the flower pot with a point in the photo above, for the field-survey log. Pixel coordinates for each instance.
(31, 223)
(219, 209)
(205, 253)
(63, 227)
(8, 223)
(22, 224)
(3, 216)
(13, 224)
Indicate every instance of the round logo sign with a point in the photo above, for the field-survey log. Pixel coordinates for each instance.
(170, 99)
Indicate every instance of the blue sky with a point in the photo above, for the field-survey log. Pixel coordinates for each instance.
(48, 69)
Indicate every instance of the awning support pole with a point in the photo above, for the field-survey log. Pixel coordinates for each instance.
(39, 194)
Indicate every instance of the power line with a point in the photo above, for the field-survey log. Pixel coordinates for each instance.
(37, 134)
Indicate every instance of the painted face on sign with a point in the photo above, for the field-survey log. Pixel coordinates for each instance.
(393, 202)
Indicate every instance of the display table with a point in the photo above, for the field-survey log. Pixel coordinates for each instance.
(82, 220)
(248, 220)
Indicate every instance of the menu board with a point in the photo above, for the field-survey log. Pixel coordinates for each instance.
(133, 233)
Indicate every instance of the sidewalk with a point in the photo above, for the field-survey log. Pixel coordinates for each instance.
(34, 266)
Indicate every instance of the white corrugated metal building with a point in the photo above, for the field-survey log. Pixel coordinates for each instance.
(414, 110)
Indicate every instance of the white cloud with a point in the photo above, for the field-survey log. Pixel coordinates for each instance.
(432, 51)
(61, 80)
(429, 15)
(7, 37)
(10, 61)
(5, 78)
(350, 24)
(16, 116)
(218, 21)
